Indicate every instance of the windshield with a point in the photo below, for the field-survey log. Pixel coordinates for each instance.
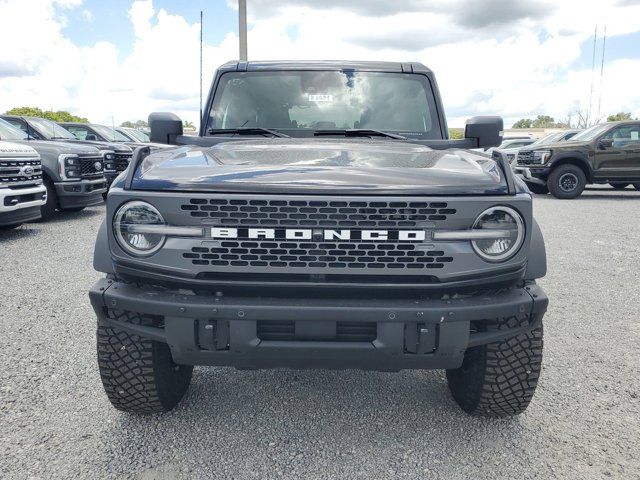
(300, 102)
(49, 129)
(9, 132)
(137, 134)
(591, 133)
(547, 139)
(109, 133)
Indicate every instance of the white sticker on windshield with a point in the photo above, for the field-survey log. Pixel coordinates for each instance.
(321, 98)
(634, 135)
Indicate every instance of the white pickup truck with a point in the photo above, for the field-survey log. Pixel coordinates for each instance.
(21, 190)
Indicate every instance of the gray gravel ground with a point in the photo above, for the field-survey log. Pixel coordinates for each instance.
(584, 422)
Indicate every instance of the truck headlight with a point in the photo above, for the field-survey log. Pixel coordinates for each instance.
(505, 234)
(541, 156)
(134, 226)
(68, 166)
(109, 161)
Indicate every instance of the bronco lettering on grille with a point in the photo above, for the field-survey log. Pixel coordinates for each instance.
(318, 234)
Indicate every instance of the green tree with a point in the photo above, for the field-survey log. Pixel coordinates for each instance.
(137, 124)
(618, 117)
(523, 123)
(456, 133)
(544, 121)
(188, 124)
(58, 116)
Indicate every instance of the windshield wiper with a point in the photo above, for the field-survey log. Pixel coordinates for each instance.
(246, 131)
(359, 132)
(62, 138)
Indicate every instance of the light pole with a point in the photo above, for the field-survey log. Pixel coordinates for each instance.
(242, 29)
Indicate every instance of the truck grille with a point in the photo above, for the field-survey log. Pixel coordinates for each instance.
(16, 173)
(365, 214)
(88, 166)
(122, 161)
(334, 255)
(527, 158)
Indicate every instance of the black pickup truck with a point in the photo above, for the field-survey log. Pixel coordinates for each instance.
(321, 219)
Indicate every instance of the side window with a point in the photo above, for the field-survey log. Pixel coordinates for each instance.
(18, 124)
(624, 135)
(79, 132)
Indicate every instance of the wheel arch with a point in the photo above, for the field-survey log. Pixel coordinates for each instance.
(101, 254)
(577, 160)
(537, 259)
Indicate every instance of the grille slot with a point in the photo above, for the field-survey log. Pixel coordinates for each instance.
(285, 331)
(308, 254)
(527, 158)
(12, 173)
(291, 213)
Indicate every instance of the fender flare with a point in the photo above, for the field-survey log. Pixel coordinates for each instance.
(537, 261)
(580, 158)
(101, 254)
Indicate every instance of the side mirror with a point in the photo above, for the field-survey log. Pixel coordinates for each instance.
(486, 131)
(605, 143)
(165, 127)
(91, 137)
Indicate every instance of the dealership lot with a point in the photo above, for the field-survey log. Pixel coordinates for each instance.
(584, 421)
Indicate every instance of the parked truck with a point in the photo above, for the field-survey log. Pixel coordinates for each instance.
(72, 174)
(21, 190)
(321, 219)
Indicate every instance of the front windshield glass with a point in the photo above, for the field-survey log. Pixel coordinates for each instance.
(300, 102)
(591, 133)
(137, 134)
(110, 134)
(9, 132)
(49, 129)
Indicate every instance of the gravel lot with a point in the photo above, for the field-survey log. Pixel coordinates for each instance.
(584, 422)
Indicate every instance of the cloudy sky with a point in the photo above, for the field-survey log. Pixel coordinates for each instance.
(125, 58)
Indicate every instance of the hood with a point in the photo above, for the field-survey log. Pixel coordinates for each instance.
(568, 144)
(48, 147)
(320, 165)
(16, 150)
(116, 147)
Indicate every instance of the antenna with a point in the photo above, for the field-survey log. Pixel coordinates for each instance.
(593, 66)
(200, 126)
(242, 29)
(604, 44)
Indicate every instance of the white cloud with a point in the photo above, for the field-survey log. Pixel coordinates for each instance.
(510, 61)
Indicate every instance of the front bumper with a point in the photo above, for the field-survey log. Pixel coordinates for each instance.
(22, 204)
(85, 193)
(532, 175)
(262, 332)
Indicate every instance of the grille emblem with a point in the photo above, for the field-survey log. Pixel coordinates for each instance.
(97, 166)
(27, 171)
(317, 234)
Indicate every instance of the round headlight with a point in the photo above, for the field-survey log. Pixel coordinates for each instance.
(129, 228)
(507, 228)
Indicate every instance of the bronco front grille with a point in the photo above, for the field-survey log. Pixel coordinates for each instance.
(320, 213)
(20, 172)
(308, 254)
(88, 166)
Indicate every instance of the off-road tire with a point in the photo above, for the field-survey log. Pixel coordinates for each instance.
(48, 210)
(499, 379)
(619, 186)
(538, 189)
(562, 173)
(139, 375)
(636, 186)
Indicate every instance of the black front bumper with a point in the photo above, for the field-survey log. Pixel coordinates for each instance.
(85, 193)
(537, 175)
(260, 332)
(21, 215)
